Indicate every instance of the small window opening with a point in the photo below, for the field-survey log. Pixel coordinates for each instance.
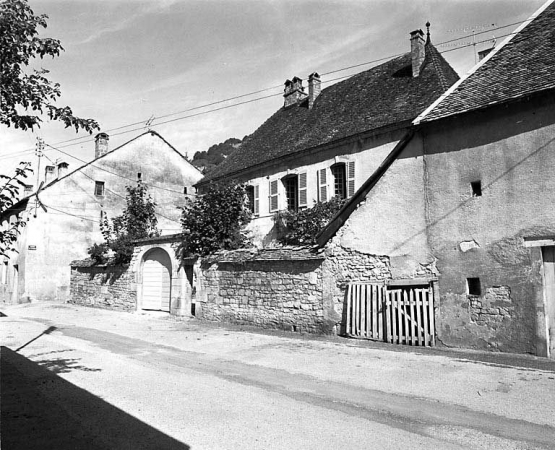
(99, 188)
(476, 188)
(473, 286)
(185, 190)
(139, 176)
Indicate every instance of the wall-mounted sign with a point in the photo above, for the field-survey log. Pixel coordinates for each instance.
(32, 247)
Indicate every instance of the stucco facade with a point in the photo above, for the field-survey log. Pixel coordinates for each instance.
(74, 203)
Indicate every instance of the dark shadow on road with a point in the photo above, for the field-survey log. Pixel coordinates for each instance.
(40, 410)
(65, 365)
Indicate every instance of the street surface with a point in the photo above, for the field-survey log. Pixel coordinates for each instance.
(83, 378)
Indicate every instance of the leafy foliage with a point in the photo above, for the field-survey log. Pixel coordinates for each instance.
(215, 220)
(34, 92)
(9, 195)
(302, 227)
(137, 221)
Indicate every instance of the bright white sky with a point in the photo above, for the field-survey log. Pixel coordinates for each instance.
(126, 61)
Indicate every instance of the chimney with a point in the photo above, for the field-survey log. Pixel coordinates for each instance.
(62, 169)
(100, 144)
(314, 88)
(293, 92)
(417, 51)
(48, 174)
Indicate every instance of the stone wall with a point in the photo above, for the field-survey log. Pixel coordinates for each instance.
(343, 266)
(492, 310)
(280, 293)
(109, 287)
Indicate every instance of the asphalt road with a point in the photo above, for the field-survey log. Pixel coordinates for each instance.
(74, 377)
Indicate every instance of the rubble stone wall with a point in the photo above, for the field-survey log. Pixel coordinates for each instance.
(108, 287)
(284, 294)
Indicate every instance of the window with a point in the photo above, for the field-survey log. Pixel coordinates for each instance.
(322, 185)
(139, 176)
(185, 190)
(473, 286)
(476, 188)
(291, 185)
(253, 200)
(339, 180)
(99, 188)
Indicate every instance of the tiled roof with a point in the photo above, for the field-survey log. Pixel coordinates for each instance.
(523, 65)
(381, 96)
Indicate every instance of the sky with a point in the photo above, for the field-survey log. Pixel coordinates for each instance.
(128, 61)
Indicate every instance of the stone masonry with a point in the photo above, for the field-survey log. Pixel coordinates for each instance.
(281, 293)
(109, 287)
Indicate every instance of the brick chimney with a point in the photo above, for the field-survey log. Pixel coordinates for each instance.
(49, 174)
(101, 144)
(293, 92)
(314, 88)
(62, 169)
(417, 50)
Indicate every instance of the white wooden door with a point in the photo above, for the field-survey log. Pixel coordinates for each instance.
(156, 281)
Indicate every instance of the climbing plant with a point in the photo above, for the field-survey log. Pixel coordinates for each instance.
(301, 227)
(137, 221)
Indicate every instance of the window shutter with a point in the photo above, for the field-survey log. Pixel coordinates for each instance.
(350, 178)
(322, 186)
(302, 190)
(256, 209)
(273, 195)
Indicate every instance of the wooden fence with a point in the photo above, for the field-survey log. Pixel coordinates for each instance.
(400, 315)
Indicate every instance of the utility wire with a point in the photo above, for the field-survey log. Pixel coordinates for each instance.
(87, 138)
(115, 173)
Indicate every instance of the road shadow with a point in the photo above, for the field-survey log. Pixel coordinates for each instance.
(40, 410)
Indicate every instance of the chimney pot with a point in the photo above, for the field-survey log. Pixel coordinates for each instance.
(48, 174)
(101, 144)
(417, 50)
(293, 92)
(62, 169)
(314, 88)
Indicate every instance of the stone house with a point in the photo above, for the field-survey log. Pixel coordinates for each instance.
(326, 142)
(468, 196)
(63, 220)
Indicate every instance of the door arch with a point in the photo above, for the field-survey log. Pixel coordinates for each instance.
(156, 280)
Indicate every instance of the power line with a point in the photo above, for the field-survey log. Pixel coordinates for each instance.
(84, 139)
(114, 173)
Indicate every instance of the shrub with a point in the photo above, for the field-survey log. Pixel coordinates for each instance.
(302, 227)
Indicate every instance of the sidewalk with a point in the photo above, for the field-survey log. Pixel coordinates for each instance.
(513, 386)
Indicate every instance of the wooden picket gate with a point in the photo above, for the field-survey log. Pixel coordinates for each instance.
(396, 314)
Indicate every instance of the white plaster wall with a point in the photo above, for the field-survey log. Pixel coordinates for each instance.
(71, 224)
(391, 220)
(367, 155)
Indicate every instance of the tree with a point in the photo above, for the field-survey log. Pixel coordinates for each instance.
(24, 97)
(9, 193)
(215, 220)
(137, 221)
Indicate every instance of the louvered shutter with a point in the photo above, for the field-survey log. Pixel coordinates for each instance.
(302, 190)
(322, 185)
(256, 206)
(273, 195)
(350, 178)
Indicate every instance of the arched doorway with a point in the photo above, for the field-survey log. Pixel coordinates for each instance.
(156, 280)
